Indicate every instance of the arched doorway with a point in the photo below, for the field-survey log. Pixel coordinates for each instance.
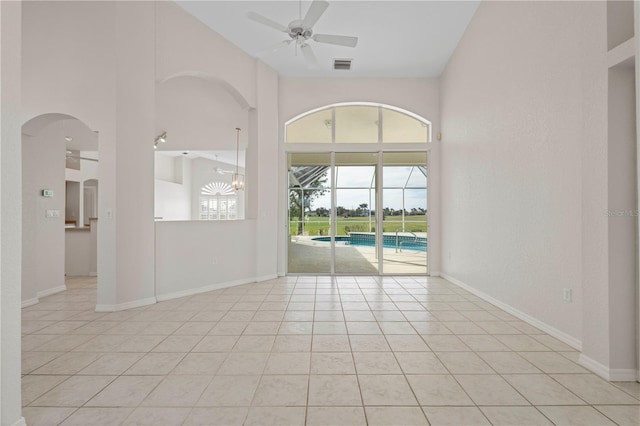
(357, 190)
(59, 155)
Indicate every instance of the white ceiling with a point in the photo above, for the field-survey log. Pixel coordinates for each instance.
(396, 38)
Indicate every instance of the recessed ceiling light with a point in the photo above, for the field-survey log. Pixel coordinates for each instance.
(68, 138)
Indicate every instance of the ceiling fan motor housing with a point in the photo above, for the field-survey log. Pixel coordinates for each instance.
(297, 31)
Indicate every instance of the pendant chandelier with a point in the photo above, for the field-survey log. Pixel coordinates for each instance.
(237, 179)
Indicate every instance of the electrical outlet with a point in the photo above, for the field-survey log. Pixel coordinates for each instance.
(52, 213)
(566, 295)
(109, 214)
(215, 260)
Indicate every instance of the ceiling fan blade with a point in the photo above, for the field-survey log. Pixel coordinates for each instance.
(274, 48)
(314, 13)
(340, 40)
(266, 21)
(309, 56)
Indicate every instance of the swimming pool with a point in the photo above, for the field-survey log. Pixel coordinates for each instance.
(407, 242)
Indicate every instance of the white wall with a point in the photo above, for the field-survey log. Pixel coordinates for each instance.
(10, 213)
(172, 193)
(197, 256)
(515, 121)
(43, 167)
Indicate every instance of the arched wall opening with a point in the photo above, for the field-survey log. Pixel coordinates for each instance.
(59, 154)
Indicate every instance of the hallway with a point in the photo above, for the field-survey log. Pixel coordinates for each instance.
(306, 350)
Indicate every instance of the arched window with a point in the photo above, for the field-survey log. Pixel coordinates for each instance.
(358, 123)
(218, 202)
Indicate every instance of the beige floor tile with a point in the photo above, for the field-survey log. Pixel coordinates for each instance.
(438, 390)
(269, 416)
(199, 363)
(482, 343)
(269, 315)
(632, 388)
(329, 327)
(376, 363)
(332, 363)
(444, 342)
(111, 364)
(400, 416)
(154, 364)
(46, 416)
(288, 363)
(397, 327)
(358, 316)
(623, 415)
(262, 328)
(521, 342)
(282, 391)
(594, 390)
(34, 386)
(73, 392)
(97, 416)
(464, 327)
(178, 391)
(177, 344)
(31, 341)
(456, 416)
(64, 343)
(386, 390)
(420, 363)
(299, 327)
(228, 416)
(464, 363)
(216, 344)
(34, 360)
(490, 390)
(254, 344)
(510, 416)
(330, 343)
(391, 315)
(407, 343)
(164, 326)
(229, 391)
(575, 416)
(239, 363)
(335, 416)
(238, 316)
(334, 390)
(498, 327)
(369, 343)
(194, 329)
(143, 416)
(540, 389)
(363, 327)
(125, 391)
(552, 362)
(300, 343)
(508, 363)
(296, 316)
(69, 363)
(230, 328)
(138, 343)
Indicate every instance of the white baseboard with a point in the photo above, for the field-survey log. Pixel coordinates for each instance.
(93, 274)
(610, 374)
(560, 335)
(266, 278)
(203, 289)
(434, 273)
(50, 291)
(127, 305)
(30, 302)
(20, 422)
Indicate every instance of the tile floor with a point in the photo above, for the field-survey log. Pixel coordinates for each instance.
(306, 350)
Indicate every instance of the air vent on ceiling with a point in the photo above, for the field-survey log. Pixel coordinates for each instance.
(342, 64)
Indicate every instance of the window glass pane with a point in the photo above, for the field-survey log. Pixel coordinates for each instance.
(398, 127)
(356, 124)
(396, 176)
(312, 128)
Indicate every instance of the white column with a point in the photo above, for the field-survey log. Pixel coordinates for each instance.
(10, 212)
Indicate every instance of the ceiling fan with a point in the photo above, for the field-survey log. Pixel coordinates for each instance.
(301, 31)
(72, 157)
(221, 171)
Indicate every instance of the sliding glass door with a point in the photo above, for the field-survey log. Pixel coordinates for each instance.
(335, 223)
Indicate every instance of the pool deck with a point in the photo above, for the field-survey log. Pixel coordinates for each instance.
(309, 256)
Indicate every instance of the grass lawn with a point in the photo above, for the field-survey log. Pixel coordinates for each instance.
(317, 225)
